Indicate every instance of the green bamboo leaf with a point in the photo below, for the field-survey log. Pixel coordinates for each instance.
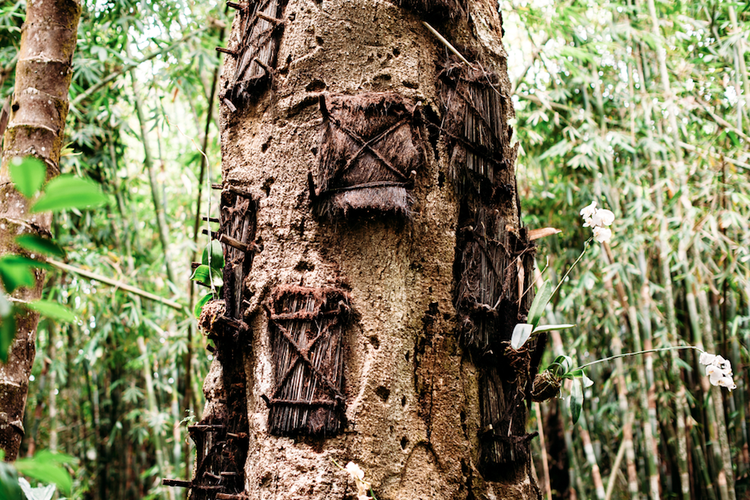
(67, 191)
(543, 295)
(52, 310)
(35, 243)
(28, 174)
(9, 487)
(7, 333)
(16, 271)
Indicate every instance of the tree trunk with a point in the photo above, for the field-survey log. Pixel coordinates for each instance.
(39, 108)
(376, 266)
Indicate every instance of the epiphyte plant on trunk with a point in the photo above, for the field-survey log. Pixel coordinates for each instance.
(549, 382)
(17, 270)
(209, 274)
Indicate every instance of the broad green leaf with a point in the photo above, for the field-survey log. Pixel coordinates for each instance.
(199, 306)
(46, 467)
(549, 328)
(52, 310)
(540, 303)
(201, 275)
(28, 174)
(521, 334)
(16, 271)
(34, 243)
(217, 255)
(561, 366)
(7, 333)
(576, 399)
(67, 191)
(9, 487)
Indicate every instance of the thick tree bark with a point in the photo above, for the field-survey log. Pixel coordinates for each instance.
(39, 107)
(372, 294)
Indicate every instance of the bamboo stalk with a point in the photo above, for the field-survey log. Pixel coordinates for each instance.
(116, 284)
(588, 450)
(726, 475)
(543, 446)
(153, 409)
(161, 222)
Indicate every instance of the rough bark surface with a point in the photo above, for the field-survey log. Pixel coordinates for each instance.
(38, 110)
(413, 388)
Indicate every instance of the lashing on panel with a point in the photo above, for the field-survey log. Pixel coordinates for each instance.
(306, 328)
(370, 153)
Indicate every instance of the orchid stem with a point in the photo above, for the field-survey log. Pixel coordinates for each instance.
(585, 247)
(627, 354)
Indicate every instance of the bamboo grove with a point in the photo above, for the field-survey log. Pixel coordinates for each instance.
(639, 105)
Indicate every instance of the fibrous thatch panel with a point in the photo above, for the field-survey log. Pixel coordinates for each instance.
(474, 123)
(306, 328)
(370, 153)
(260, 29)
(496, 267)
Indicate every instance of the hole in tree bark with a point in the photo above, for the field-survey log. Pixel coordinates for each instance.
(383, 393)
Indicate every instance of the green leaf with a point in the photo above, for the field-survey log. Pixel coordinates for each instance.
(7, 334)
(199, 306)
(9, 487)
(217, 255)
(28, 174)
(576, 399)
(46, 467)
(16, 271)
(549, 328)
(67, 191)
(52, 310)
(201, 275)
(539, 303)
(34, 243)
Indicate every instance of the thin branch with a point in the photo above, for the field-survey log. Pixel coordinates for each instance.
(719, 120)
(698, 150)
(534, 55)
(447, 44)
(116, 284)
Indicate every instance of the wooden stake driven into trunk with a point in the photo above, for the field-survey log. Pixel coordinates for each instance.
(38, 111)
(222, 434)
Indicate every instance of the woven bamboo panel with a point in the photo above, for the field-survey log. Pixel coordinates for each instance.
(306, 336)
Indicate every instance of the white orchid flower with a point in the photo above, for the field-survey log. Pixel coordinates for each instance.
(602, 217)
(588, 212)
(602, 234)
(718, 370)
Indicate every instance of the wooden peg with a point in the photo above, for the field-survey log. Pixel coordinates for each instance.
(230, 52)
